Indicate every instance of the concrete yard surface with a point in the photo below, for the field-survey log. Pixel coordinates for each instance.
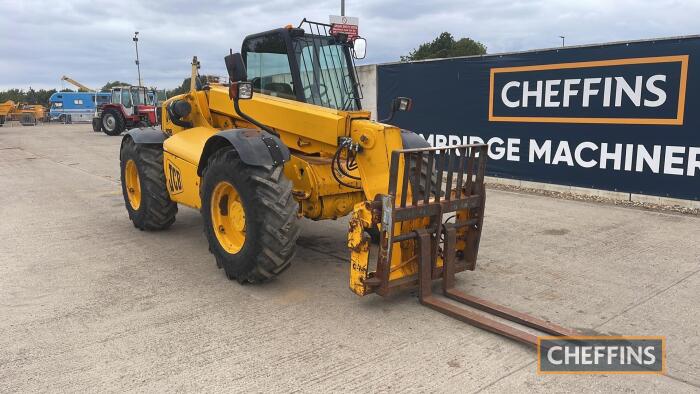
(90, 304)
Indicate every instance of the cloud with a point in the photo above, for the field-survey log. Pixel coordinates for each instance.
(91, 40)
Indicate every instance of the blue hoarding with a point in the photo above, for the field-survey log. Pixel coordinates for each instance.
(622, 116)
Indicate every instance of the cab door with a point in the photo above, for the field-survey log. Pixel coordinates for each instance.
(127, 101)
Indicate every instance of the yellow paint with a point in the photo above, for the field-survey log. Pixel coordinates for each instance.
(228, 217)
(358, 244)
(7, 107)
(311, 132)
(318, 194)
(133, 185)
(189, 144)
(182, 180)
(14, 111)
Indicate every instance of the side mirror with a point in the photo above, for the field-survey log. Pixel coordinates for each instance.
(240, 91)
(235, 67)
(398, 104)
(359, 48)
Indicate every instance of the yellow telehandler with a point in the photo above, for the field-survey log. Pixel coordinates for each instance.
(286, 137)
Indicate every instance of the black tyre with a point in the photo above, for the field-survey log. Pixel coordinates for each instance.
(145, 192)
(112, 122)
(250, 217)
(2, 120)
(422, 183)
(96, 124)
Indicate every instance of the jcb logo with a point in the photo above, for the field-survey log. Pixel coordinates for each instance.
(174, 179)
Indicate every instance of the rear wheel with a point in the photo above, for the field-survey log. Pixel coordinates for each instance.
(250, 217)
(143, 186)
(96, 124)
(112, 122)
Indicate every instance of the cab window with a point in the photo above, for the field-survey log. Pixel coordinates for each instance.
(126, 98)
(102, 100)
(116, 96)
(268, 66)
(325, 76)
(138, 95)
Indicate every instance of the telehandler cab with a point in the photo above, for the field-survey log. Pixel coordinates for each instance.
(286, 138)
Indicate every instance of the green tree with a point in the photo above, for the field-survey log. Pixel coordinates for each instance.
(109, 85)
(185, 86)
(445, 46)
(16, 95)
(43, 96)
(30, 96)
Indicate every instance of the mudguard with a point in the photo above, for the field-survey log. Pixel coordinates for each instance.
(412, 140)
(254, 147)
(146, 135)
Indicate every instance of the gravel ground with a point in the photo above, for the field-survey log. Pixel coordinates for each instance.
(90, 304)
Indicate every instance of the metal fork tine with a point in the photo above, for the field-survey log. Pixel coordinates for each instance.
(460, 170)
(448, 185)
(415, 185)
(482, 169)
(439, 165)
(429, 181)
(404, 180)
(470, 171)
(393, 172)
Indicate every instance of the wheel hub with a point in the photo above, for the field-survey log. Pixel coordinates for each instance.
(109, 122)
(228, 217)
(133, 185)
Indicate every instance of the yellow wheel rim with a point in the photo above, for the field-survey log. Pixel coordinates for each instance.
(228, 217)
(133, 186)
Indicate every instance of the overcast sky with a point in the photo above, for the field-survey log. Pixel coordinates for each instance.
(91, 40)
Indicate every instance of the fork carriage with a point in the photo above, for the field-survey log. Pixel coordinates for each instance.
(418, 244)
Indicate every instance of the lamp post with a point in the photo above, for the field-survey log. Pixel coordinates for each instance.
(562, 40)
(342, 7)
(138, 66)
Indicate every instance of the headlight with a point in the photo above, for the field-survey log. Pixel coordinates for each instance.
(240, 90)
(245, 90)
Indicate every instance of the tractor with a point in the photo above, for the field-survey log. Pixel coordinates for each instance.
(286, 138)
(130, 106)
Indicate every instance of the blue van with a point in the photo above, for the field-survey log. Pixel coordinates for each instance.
(76, 106)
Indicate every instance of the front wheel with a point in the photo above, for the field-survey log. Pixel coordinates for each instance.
(96, 125)
(143, 186)
(250, 217)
